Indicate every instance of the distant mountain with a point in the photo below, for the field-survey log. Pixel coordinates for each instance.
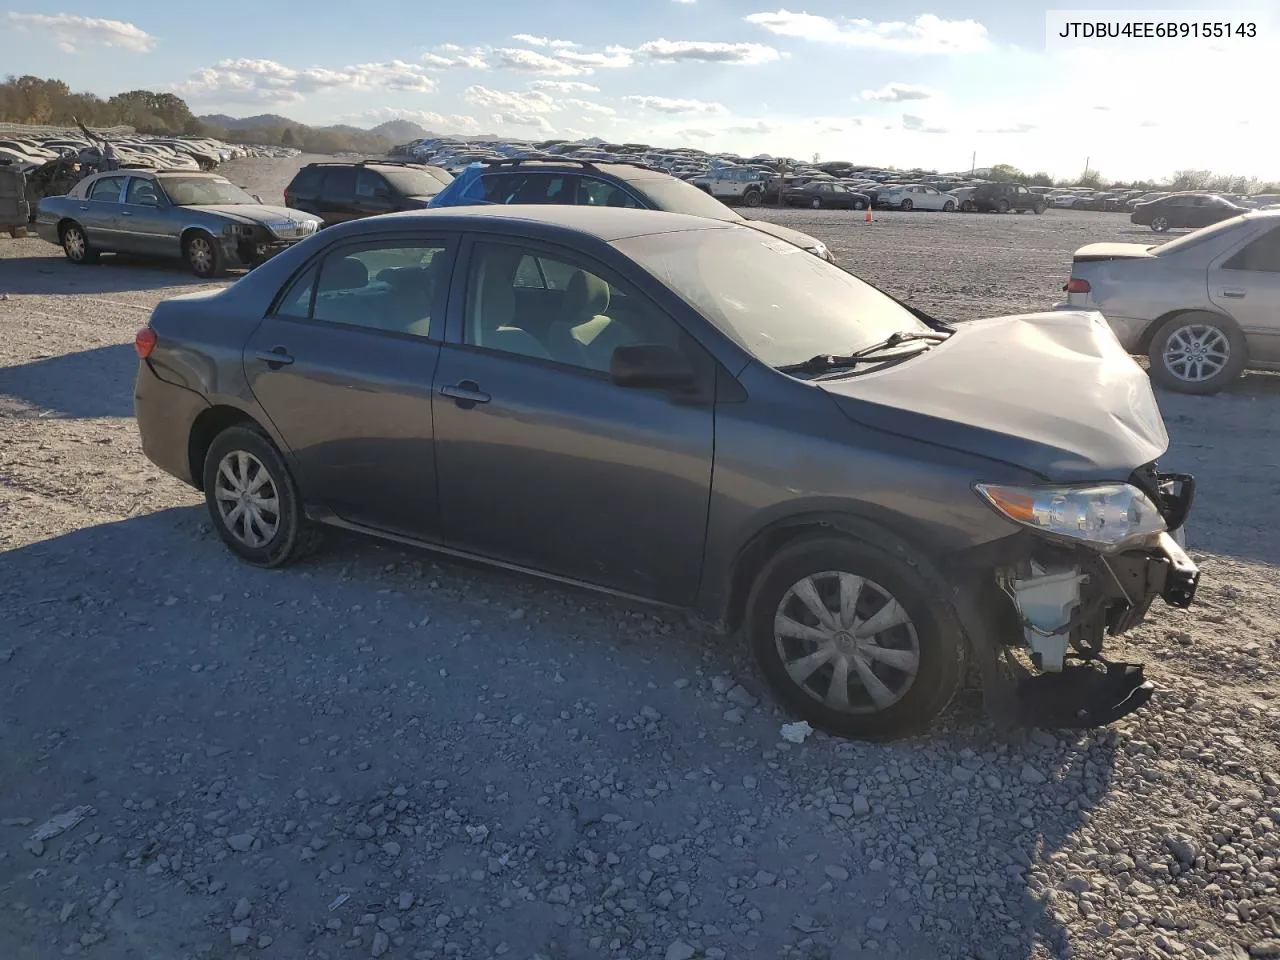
(244, 123)
(400, 131)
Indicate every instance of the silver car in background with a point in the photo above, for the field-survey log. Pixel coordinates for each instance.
(1204, 307)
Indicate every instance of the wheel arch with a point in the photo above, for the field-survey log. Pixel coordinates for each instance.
(887, 533)
(1143, 346)
(65, 222)
(206, 428)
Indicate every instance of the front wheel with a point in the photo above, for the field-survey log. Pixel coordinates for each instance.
(949, 207)
(851, 639)
(907, 204)
(859, 205)
(204, 256)
(252, 499)
(1197, 353)
(753, 199)
(1002, 206)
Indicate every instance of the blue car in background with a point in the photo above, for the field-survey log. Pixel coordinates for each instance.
(609, 184)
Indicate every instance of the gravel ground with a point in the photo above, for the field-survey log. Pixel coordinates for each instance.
(377, 754)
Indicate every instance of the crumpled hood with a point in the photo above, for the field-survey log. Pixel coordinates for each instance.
(802, 240)
(1053, 393)
(254, 213)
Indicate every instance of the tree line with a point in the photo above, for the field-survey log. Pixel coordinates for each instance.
(49, 102)
(1205, 181)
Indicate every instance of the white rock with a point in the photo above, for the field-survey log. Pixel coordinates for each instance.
(796, 732)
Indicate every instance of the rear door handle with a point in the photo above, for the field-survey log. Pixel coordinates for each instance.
(1234, 294)
(275, 358)
(84, 206)
(466, 392)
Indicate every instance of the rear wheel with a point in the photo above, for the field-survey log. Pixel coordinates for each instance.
(1002, 206)
(859, 205)
(753, 199)
(75, 244)
(1039, 208)
(815, 203)
(253, 501)
(851, 639)
(1160, 224)
(907, 204)
(1197, 353)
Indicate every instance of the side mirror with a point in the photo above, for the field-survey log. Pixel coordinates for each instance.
(650, 365)
(257, 197)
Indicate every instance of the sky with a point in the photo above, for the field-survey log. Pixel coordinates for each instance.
(946, 85)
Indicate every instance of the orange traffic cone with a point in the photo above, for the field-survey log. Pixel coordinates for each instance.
(867, 218)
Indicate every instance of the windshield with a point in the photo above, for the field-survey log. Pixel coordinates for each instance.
(1197, 237)
(414, 183)
(780, 303)
(198, 191)
(679, 196)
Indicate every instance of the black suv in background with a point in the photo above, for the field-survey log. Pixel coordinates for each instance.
(1003, 197)
(337, 191)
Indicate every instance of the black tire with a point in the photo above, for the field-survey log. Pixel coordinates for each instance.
(941, 648)
(966, 206)
(78, 251)
(1039, 208)
(753, 199)
(203, 255)
(1215, 328)
(294, 535)
(906, 204)
(1160, 224)
(949, 207)
(1002, 206)
(859, 205)
(816, 203)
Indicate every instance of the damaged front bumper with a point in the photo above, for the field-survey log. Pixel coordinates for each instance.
(1060, 601)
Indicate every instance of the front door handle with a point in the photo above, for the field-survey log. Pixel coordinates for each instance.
(275, 358)
(466, 392)
(1234, 294)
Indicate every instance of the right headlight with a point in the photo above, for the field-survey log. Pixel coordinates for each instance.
(1108, 517)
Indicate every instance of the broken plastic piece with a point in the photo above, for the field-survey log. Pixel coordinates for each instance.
(61, 823)
(1082, 696)
(796, 732)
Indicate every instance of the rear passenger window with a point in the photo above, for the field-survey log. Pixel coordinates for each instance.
(368, 183)
(340, 182)
(107, 189)
(394, 287)
(598, 193)
(1261, 256)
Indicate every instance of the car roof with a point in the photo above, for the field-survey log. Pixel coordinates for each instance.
(629, 172)
(604, 223)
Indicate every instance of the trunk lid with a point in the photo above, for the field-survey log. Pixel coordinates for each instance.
(1053, 393)
(1112, 251)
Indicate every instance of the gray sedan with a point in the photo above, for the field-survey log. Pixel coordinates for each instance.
(203, 218)
(1203, 307)
(682, 411)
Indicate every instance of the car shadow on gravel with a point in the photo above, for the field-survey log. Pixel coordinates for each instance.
(115, 273)
(82, 385)
(169, 652)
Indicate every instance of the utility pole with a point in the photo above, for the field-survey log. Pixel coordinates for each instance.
(1086, 167)
(973, 163)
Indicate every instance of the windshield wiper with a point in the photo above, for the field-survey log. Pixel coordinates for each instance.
(869, 354)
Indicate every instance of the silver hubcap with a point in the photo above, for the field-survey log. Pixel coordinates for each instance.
(73, 241)
(201, 255)
(247, 499)
(817, 202)
(846, 642)
(1196, 352)
(1159, 223)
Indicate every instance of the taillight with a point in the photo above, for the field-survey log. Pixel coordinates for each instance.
(1076, 285)
(145, 342)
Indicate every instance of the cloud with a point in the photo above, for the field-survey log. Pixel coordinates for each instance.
(523, 120)
(917, 125)
(542, 41)
(587, 106)
(754, 128)
(611, 58)
(1103, 108)
(266, 81)
(695, 133)
(1021, 127)
(670, 105)
(531, 61)
(706, 51)
(684, 1)
(460, 61)
(439, 122)
(510, 103)
(72, 32)
(927, 33)
(564, 86)
(898, 93)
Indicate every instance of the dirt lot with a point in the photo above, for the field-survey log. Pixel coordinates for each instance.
(377, 754)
